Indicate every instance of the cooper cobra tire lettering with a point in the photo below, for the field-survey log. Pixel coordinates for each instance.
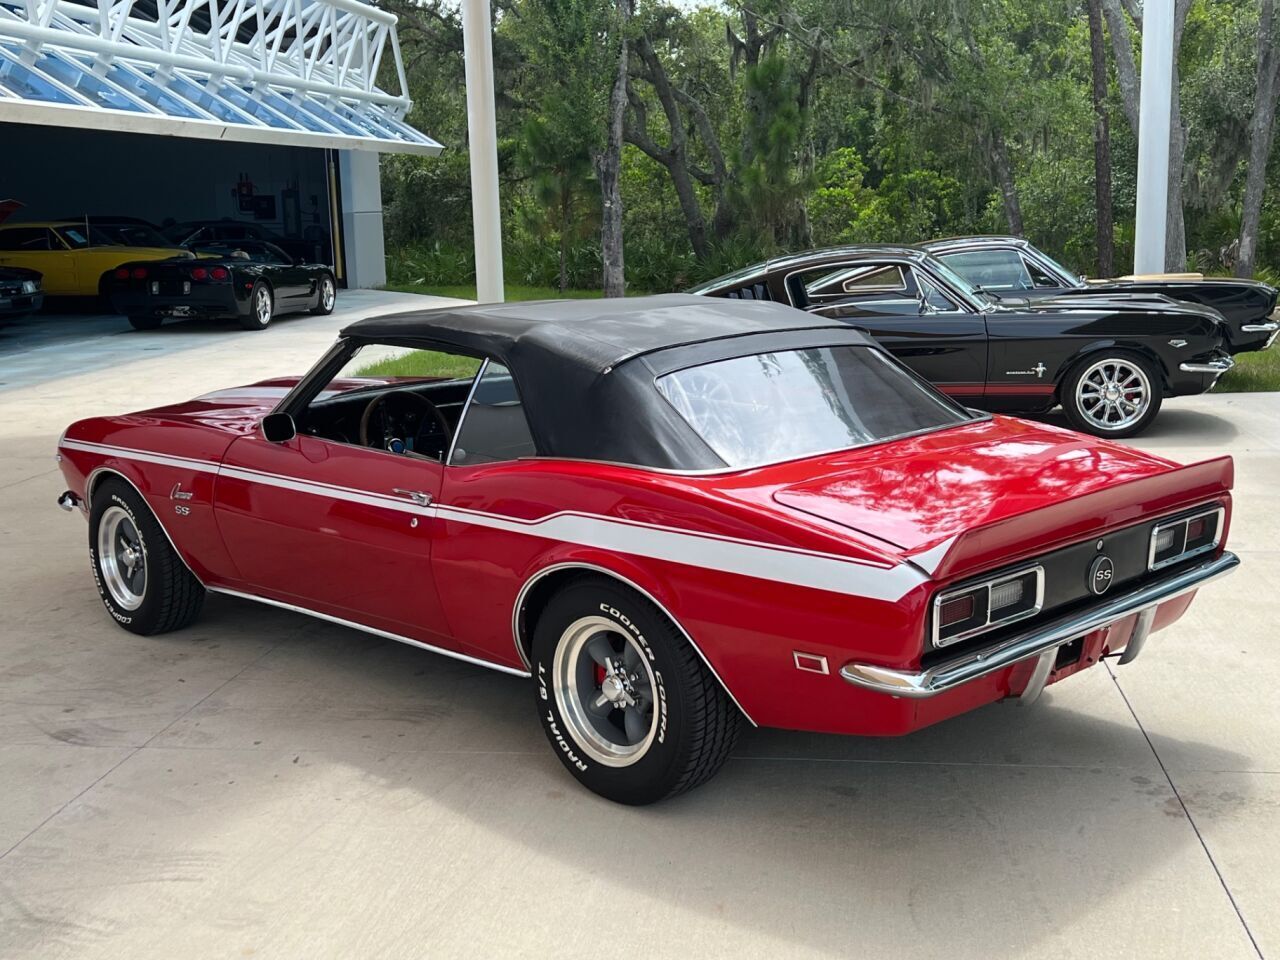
(694, 721)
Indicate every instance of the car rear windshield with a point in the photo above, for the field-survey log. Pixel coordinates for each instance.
(772, 407)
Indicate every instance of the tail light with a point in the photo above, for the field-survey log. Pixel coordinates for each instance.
(1175, 540)
(139, 273)
(219, 273)
(978, 607)
(122, 273)
(199, 273)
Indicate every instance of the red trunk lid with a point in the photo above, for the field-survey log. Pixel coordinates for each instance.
(979, 495)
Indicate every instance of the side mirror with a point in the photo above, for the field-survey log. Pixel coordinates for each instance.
(278, 428)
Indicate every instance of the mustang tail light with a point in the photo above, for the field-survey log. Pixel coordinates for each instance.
(139, 273)
(1173, 541)
(964, 612)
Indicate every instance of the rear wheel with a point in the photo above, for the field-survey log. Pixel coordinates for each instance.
(1112, 395)
(142, 581)
(627, 704)
(326, 297)
(145, 323)
(261, 307)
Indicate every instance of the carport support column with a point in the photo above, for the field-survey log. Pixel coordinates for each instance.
(364, 254)
(482, 139)
(1155, 105)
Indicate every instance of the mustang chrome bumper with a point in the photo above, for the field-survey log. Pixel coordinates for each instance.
(1218, 365)
(1042, 641)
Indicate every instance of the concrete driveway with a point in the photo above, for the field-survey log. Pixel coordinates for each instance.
(267, 785)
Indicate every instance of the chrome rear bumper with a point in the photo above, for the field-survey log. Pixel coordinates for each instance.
(1043, 640)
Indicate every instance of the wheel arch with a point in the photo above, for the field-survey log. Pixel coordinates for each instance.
(95, 479)
(545, 582)
(1096, 347)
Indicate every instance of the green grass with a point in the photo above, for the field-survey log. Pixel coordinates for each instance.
(465, 292)
(421, 363)
(1252, 373)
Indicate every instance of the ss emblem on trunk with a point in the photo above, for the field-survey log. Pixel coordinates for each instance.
(1101, 572)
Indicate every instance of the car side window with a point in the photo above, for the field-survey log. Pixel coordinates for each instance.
(1039, 276)
(402, 400)
(991, 269)
(932, 294)
(24, 238)
(494, 427)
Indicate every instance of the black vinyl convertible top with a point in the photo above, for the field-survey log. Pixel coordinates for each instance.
(585, 369)
(596, 335)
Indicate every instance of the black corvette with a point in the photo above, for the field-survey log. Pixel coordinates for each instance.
(20, 292)
(1108, 358)
(1009, 266)
(250, 281)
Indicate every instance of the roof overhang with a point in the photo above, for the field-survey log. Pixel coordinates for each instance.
(294, 72)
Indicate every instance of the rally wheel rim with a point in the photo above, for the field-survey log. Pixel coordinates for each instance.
(262, 306)
(327, 294)
(122, 558)
(1113, 394)
(604, 688)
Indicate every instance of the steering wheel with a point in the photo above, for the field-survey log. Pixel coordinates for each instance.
(390, 438)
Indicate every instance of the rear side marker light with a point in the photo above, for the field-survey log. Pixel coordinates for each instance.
(810, 662)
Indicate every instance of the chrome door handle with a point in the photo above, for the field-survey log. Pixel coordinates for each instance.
(417, 496)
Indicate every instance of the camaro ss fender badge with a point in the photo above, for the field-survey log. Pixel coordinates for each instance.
(1039, 370)
(1101, 572)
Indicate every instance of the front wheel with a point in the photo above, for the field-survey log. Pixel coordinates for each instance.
(261, 307)
(326, 297)
(142, 581)
(1112, 395)
(627, 704)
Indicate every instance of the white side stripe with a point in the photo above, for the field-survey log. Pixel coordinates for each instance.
(763, 561)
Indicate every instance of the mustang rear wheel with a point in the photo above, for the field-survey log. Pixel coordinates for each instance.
(261, 307)
(627, 704)
(1112, 395)
(326, 297)
(142, 581)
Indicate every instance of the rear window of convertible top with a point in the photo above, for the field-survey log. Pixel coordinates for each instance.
(772, 407)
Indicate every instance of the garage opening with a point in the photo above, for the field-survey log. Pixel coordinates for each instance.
(189, 191)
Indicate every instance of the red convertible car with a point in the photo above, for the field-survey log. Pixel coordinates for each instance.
(675, 514)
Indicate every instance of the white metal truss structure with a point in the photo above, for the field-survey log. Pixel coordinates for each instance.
(300, 72)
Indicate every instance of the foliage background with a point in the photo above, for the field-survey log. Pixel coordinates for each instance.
(805, 123)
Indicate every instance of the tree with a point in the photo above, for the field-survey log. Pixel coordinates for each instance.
(1101, 142)
(560, 167)
(608, 163)
(1261, 137)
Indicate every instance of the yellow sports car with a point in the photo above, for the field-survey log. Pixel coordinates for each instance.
(72, 256)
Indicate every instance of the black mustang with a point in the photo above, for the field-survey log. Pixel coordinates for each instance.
(1009, 266)
(1109, 358)
(248, 280)
(20, 292)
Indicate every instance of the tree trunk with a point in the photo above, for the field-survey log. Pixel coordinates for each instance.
(1101, 144)
(1261, 137)
(609, 169)
(1008, 188)
(564, 238)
